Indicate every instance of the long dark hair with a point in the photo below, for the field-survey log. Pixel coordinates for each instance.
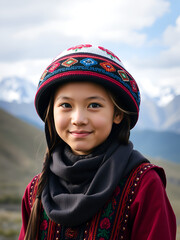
(31, 232)
(53, 139)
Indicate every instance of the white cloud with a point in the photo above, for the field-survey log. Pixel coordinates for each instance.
(171, 39)
(27, 28)
(30, 70)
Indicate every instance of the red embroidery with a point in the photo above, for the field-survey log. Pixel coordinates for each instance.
(133, 85)
(79, 47)
(71, 233)
(44, 225)
(105, 223)
(109, 52)
(53, 67)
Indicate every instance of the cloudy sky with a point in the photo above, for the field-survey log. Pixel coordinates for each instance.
(145, 34)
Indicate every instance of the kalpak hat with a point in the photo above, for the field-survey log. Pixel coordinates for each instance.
(93, 64)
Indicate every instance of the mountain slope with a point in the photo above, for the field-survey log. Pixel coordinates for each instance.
(157, 144)
(21, 153)
(24, 111)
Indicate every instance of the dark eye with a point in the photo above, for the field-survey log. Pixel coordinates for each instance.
(65, 105)
(94, 105)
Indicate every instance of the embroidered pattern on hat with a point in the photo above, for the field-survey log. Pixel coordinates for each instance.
(108, 67)
(43, 75)
(133, 85)
(76, 48)
(69, 62)
(53, 67)
(88, 62)
(111, 54)
(123, 75)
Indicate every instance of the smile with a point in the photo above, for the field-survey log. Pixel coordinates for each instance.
(80, 134)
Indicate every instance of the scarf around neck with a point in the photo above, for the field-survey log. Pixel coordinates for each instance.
(78, 186)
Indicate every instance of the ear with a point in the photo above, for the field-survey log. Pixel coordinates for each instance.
(118, 116)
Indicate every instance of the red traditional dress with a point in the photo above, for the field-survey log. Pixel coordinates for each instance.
(138, 210)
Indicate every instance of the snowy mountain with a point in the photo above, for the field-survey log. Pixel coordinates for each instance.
(17, 98)
(17, 89)
(160, 112)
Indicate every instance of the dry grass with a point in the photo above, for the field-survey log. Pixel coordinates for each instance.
(10, 224)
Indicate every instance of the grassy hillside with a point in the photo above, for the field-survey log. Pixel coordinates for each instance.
(22, 149)
(21, 155)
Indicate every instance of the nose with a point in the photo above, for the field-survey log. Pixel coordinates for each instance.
(79, 117)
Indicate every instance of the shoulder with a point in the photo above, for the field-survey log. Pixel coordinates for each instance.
(152, 173)
(151, 209)
(145, 181)
(149, 178)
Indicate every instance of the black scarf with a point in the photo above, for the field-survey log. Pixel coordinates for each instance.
(78, 186)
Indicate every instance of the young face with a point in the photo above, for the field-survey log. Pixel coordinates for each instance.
(83, 116)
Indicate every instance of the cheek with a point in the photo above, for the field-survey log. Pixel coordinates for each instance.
(103, 122)
(60, 123)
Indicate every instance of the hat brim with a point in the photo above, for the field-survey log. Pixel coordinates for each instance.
(47, 88)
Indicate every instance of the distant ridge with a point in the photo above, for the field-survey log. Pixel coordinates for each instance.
(157, 144)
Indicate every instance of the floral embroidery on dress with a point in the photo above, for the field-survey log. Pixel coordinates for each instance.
(44, 225)
(107, 215)
(71, 233)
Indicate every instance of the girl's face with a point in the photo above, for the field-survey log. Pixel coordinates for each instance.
(83, 116)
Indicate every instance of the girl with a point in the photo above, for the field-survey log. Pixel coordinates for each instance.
(93, 184)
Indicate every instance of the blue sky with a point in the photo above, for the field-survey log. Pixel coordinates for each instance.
(144, 34)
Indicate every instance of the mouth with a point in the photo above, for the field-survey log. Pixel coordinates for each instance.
(80, 134)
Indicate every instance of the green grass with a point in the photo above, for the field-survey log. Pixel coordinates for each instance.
(10, 224)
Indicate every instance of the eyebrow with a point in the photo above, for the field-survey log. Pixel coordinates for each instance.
(88, 98)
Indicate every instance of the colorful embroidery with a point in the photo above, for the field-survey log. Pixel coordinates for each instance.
(96, 66)
(123, 75)
(88, 62)
(112, 55)
(76, 48)
(108, 215)
(43, 75)
(108, 67)
(44, 225)
(53, 67)
(133, 85)
(69, 62)
(71, 233)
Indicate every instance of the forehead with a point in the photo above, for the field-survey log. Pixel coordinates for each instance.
(81, 88)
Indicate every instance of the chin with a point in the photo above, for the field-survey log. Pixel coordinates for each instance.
(80, 151)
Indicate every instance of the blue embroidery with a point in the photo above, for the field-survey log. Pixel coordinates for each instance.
(88, 62)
